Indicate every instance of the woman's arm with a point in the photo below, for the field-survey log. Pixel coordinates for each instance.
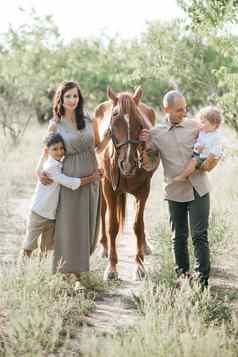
(39, 166)
(100, 145)
(42, 176)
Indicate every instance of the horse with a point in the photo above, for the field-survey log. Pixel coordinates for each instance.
(124, 173)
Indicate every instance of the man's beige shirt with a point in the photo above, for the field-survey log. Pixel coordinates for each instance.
(175, 146)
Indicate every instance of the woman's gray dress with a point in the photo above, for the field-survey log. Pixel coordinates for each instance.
(77, 217)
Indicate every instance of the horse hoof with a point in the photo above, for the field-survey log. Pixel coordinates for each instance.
(110, 275)
(147, 250)
(139, 274)
(103, 253)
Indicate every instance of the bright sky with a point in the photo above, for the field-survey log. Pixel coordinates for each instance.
(85, 18)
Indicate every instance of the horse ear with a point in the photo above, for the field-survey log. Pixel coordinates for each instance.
(137, 95)
(111, 95)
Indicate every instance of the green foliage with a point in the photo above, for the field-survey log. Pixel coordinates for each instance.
(210, 14)
(200, 59)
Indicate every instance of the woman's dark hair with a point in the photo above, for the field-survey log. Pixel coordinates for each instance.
(58, 108)
(54, 138)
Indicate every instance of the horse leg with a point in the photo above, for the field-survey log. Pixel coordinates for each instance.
(111, 200)
(139, 230)
(103, 240)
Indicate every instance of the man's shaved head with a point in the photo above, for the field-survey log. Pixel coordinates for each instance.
(170, 97)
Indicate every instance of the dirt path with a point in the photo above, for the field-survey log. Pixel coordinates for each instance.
(116, 309)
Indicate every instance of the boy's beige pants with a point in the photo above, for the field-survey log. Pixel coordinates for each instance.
(39, 227)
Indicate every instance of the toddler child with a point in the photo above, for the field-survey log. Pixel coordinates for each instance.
(208, 144)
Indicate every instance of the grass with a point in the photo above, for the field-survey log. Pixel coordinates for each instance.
(41, 314)
(173, 323)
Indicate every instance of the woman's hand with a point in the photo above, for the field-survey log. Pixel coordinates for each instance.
(44, 179)
(98, 175)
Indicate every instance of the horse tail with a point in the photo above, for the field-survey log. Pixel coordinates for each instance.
(121, 209)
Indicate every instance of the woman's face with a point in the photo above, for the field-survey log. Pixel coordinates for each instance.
(70, 100)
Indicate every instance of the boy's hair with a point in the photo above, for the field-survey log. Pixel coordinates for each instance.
(211, 114)
(52, 139)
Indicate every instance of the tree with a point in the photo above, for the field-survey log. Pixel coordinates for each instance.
(211, 19)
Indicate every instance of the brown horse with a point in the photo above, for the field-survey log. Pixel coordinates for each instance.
(124, 173)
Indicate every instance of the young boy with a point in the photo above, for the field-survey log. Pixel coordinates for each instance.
(41, 220)
(208, 144)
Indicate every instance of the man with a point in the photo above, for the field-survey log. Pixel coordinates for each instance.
(172, 141)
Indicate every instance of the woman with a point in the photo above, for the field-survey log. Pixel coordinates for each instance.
(77, 217)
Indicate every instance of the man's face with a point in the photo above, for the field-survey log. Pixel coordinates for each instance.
(177, 111)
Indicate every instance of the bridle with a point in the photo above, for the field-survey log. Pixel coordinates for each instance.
(117, 145)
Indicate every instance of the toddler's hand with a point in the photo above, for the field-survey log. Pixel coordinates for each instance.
(199, 148)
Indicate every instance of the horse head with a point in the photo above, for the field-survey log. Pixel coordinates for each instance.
(126, 123)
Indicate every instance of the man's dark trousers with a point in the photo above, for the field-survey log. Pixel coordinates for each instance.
(198, 213)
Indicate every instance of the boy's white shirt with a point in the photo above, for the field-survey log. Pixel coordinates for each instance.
(212, 142)
(45, 198)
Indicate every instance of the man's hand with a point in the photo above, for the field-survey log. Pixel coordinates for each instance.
(44, 179)
(148, 163)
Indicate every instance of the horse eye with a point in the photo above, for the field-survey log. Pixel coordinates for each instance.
(114, 113)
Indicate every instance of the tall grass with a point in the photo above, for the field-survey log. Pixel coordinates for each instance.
(171, 322)
(43, 312)
(40, 312)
